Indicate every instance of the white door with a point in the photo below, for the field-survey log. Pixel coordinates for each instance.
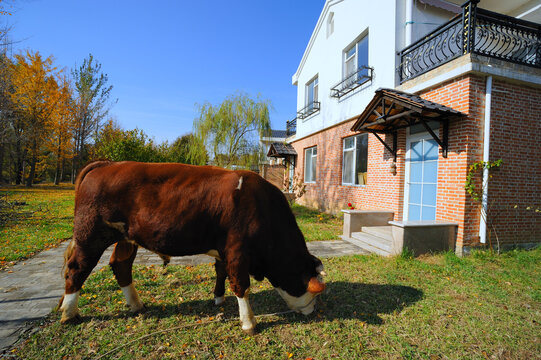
(421, 177)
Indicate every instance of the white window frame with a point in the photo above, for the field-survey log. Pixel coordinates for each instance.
(354, 56)
(310, 173)
(314, 83)
(330, 24)
(352, 149)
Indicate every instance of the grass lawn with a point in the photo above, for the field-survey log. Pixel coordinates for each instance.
(435, 307)
(33, 219)
(316, 225)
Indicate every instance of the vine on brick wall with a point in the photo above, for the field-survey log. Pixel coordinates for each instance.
(476, 192)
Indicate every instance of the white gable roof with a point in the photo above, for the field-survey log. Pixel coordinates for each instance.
(320, 22)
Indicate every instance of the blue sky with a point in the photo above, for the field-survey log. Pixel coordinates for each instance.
(164, 57)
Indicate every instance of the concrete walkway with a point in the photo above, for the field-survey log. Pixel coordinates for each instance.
(31, 289)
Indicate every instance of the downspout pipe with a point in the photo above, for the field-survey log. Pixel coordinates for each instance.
(486, 153)
(409, 23)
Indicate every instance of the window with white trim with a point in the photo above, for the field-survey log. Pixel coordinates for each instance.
(355, 160)
(310, 164)
(312, 93)
(356, 57)
(330, 24)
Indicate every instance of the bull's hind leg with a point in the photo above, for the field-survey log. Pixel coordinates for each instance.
(121, 262)
(79, 264)
(219, 288)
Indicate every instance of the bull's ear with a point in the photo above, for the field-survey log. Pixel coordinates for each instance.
(315, 286)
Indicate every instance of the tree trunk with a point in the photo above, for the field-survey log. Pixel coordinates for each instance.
(19, 168)
(30, 179)
(2, 147)
(62, 168)
(57, 171)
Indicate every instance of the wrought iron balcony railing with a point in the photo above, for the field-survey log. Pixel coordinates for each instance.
(291, 127)
(475, 31)
(308, 110)
(352, 81)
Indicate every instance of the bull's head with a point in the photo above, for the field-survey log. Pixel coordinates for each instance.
(305, 303)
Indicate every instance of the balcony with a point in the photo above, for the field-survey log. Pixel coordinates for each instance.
(352, 81)
(308, 110)
(476, 31)
(291, 127)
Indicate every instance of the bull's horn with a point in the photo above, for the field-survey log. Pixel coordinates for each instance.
(315, 286)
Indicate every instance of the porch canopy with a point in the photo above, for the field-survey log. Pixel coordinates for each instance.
(391, 110)
(282, 150)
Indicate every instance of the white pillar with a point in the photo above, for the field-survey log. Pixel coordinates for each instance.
(486, 153)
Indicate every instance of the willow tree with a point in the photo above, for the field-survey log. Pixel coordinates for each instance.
(228, 129)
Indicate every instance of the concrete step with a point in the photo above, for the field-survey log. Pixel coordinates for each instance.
(370, 243)
(384, 232)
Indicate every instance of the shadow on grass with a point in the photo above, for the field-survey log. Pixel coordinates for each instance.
(341, 300)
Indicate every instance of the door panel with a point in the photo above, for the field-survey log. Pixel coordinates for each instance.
(423, 178)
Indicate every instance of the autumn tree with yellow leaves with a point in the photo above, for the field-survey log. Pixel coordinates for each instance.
(35, 95)
(63, 122)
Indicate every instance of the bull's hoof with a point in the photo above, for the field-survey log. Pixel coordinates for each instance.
(139, 310)
(219, 300)
(72, 320)
(250, 331)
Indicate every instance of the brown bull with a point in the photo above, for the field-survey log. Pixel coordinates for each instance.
(176, 210)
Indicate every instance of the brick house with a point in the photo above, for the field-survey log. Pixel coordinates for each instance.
(395, 108)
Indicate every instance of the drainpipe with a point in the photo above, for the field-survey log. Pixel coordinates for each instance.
(486, 149)
(409, 22)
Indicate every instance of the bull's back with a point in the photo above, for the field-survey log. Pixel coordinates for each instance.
(160, 204)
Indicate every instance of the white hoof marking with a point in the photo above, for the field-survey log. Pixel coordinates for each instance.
(247, 317)
(132, 298)
(69, 306)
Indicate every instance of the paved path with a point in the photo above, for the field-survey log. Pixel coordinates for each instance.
(31, 289)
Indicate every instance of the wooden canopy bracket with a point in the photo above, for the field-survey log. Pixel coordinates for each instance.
(395, 141)
(443, 142)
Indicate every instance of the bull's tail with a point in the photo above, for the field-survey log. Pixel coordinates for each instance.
(88, 168)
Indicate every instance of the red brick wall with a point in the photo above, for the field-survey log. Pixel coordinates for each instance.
(467, 95)
(515, 138)
(382, 191)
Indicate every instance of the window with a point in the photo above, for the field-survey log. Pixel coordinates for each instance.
(356, 57)
(355, 160)
(310, 161)
(330, 24)
(311, 93)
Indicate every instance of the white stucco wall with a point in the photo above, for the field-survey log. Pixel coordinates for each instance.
(324, 58)
(384, 21)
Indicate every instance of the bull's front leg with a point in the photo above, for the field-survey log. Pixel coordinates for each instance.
(239, 281)
(246, 314)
